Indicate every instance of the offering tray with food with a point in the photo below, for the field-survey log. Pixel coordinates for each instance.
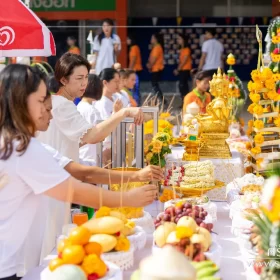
(202, 201)
(170, 264)
(193, 178)
(235, 188)
(188, 235)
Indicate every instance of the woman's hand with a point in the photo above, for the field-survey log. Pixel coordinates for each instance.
(117, 106)
(140, 197)
(135, 113)
(150, 173)
(176, 72)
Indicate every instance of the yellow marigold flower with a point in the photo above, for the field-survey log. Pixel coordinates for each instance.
(123, 244)
(270, 84)
(250, 123)
(251, 108)
(249, 131)
(258, 110)
(277, 121)
(149, 156)
(256, 150)
(271, 94)
(157, 146)
(258, 124)
(265, 96)
(164, 115)
(248, 145)
(103, 212)
(266, 74)
(256, 75)
(259, 139)
(258, 86)
(183, 232)
(242, 122)
(251, 86)
(255, 97)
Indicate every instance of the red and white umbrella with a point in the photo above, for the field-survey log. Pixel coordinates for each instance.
(22, 33)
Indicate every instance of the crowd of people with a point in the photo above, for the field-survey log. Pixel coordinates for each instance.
(48, 144)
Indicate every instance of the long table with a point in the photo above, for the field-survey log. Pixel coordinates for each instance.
(232, 267)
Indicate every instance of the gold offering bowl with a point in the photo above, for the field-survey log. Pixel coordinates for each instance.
(130, 212)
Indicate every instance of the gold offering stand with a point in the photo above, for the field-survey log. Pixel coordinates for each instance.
(215, 123)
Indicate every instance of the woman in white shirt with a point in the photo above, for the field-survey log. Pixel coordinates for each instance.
(107, 47)
(111, 81)
(69, 130)
(28, 174)
(87, 108)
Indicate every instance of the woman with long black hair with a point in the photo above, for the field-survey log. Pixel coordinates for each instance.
(156, 63)
(107, 47)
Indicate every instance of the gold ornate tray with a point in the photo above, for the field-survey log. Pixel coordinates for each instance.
(190, 192)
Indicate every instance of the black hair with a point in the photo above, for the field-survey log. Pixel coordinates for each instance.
(64, 67)
(94, 87)
(102, 35)
(17, 83)
(199, 76)
(108, 74)
(52, 84)
(71, 38)
(132, 39)
(185, 39)
(212, 31)
(160, 39)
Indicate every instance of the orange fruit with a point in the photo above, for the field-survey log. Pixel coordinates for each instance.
(93, 248)
(93, 264)
(55, 263)
(62, 244)
(79, 236)
(73, 254)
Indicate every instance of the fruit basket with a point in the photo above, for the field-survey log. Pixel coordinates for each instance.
(146, 222)
(138, 239)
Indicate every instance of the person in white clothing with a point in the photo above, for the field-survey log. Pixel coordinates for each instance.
(87, 109)
(68, 130)
(95, 174)
(29, 175)
(110, 79)
(212, 53)
(107, 47)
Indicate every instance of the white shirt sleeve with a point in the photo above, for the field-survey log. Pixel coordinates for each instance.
(205, 47)
(96, 44)
(38, 169)
(59, 158)
(69, 121)
(118, 41)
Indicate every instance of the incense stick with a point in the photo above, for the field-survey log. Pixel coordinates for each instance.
(171, 102)
(69, 198)
(122, 185)
(147, 99)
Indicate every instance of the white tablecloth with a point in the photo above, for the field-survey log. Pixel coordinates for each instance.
(232, 267)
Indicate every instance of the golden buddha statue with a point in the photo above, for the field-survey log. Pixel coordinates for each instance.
(215, 123)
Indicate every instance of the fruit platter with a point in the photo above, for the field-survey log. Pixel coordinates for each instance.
(170, 264)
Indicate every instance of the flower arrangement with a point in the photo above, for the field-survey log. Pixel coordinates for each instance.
(156, 151)
(163, 126)
(237, 92)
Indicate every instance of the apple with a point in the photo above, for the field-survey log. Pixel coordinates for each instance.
(162, 232)
(200, 239)
(206, 234)
(187, 222)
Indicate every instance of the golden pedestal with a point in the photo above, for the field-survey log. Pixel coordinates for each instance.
(191, 150)
(214, 145)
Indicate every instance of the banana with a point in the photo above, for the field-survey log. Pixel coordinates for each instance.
(200, 265)
(208, 271)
